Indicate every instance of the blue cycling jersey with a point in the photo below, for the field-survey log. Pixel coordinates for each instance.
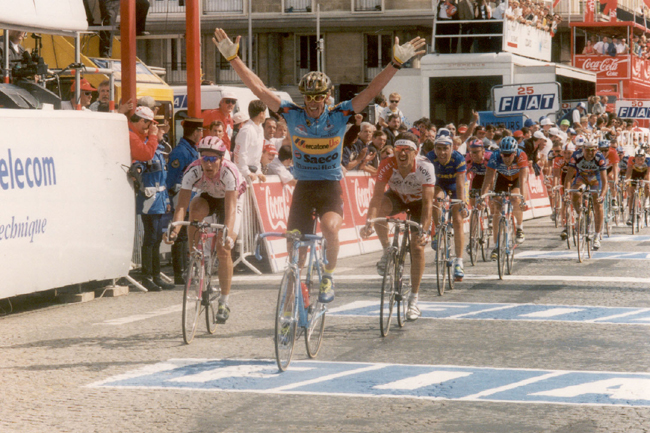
(446, 173)
(588, 169)
(317, 144)
(512, 171)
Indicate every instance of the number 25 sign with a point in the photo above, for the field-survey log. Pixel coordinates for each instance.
(533, 100)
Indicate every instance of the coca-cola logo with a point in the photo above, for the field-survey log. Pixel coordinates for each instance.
(590, 5)
(363, 195)
(277, 207)
(636, 69)
(535, 184)
(606, 66)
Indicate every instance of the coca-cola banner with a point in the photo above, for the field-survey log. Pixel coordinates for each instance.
(590, 10)
(604, 66)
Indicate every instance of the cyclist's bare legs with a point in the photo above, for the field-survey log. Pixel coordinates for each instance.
(417, 263)
(496, 217)
(598, 212)
(517, 211)
(330, 224)
(382, 228)
(437, 212)
(459, 235)
(199, 210)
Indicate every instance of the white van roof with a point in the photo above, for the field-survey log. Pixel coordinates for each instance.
(211, 95)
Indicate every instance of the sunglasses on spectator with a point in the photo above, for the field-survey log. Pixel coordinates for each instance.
(230, 101)
(392, 101)
(87, 93)
(210, 158)
(315, 98)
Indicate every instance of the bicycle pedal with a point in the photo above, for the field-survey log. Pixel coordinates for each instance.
(458, 279)
(399, 297)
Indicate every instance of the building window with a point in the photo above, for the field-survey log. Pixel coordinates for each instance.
(175, 64)
(298, 6)
(368, 5)
(378, 54)
(224, 71)
(167, 7)
(307, 55)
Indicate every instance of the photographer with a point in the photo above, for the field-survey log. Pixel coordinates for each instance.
(16, 50)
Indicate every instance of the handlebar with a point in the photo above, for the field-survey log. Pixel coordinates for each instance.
(294, 236)
(501, 194)
(201, 226)
(637, 181)
(413, 224)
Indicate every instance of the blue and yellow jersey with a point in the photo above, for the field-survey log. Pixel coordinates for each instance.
(446, 173)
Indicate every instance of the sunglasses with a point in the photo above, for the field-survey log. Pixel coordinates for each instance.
(87, 93)
(210, 158)
(315, 98)
(230, 101)
(507, 154)
(394, 102)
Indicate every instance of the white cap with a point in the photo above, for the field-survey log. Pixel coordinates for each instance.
(554, 131)
(226, 94)
(546, 121)
(571, 147)
(144, 113)
(539, 135)
(239, 117)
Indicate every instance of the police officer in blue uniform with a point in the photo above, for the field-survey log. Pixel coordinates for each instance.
(152, 203)
(183, 155)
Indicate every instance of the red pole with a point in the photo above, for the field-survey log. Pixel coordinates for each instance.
(127, 34)
(193, 45)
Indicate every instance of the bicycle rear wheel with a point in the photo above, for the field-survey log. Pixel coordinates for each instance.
(501, 248)
(192, 298)
(556, 211)
(441, 260)
(591, 229)
(568, 215)
(633, 211)
(474, 236)
(403, 280)
(286, 321)
(387, 295)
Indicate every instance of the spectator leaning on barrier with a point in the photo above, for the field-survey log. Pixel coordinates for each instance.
(250, 141)
(238, 121)
(281, 164)
(392, 108)
(224, 115)
(269, 152)
(143, 134)
(354, 155)
(270, 126)
(180, 158)
(152, 203)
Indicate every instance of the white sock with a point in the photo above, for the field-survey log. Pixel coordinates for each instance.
(520, 227)
(223, 299)
(413, 298)
(459, 261)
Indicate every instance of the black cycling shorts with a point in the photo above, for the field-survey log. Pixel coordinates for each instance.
(477, 182)
(398, 206)
(322, 195)
(636, 175)
(505, 185)
(217, 206)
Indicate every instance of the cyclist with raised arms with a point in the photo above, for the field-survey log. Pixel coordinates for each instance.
(316, 133)
(637, 169)
(509, 166)
(450, 169)
(410, 179)
(220, 189)
(587, 167)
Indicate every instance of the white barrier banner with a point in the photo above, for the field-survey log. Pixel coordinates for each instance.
(633, 109)
(527, 41)
(67, 213)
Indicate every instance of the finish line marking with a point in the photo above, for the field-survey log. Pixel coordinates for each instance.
(515, 312)
(357, 379)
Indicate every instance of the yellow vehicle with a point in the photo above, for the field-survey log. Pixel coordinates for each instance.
(58, 52)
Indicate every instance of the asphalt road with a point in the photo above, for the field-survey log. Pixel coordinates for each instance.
(558, 347)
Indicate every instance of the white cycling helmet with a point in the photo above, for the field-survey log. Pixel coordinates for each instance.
(212, 143)
(570, 147)
(580, 141)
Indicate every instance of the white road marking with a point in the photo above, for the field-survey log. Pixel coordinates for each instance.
(328, 377)
(143, 316)
(624, 388)
(513, 385)
(423, 380)
(551, 312)
(233, 371)
(353, 306)
(616, 316)
(471, 313)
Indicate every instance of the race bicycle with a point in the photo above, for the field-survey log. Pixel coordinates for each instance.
(480, 233)
(443, 242)
(585, 229)
(200, 294)
(505, 236)
(396, 283)
(298, 309)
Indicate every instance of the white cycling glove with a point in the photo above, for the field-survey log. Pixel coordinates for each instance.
(402, 53)
(228, 49)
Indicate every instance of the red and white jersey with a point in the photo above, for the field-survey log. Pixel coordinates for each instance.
(408, 188)
(228, 179)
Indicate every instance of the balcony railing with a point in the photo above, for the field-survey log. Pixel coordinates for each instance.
(175, 76)
(209, 6)
(297, 6)
(368, 5)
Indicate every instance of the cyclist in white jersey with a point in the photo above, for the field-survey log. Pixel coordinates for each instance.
(219, 190)
(411, 182)
(316, 133)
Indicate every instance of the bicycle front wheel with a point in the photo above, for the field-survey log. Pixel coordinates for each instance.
(211, 298)
(556, 211)
(387, 296)
(501, 248)
(568, 215)
(192, 298)
(441, 260)
(633, 212)
(486, 235)
(474, 236)
(314, 334)
(403, 282)
(581, 234)
(286, 321)
(450, 260)
(510, 249)
(591, 230)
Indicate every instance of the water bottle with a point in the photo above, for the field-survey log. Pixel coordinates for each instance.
(305, 294)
